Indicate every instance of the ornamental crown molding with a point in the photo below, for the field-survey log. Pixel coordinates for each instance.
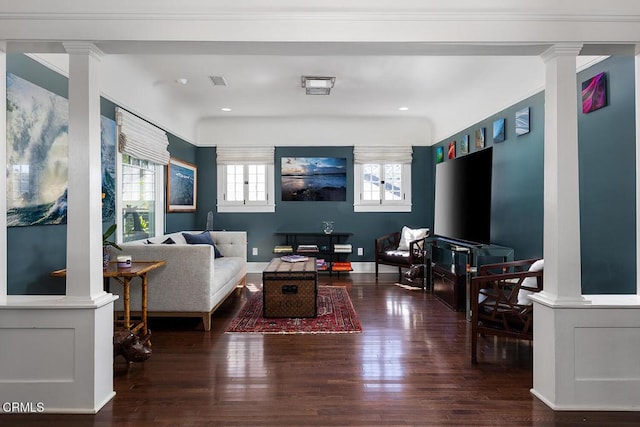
(564, 49)
(83, 48)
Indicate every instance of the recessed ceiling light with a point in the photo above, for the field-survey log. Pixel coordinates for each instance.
(225, 109)
(403, 108)
(182, 81)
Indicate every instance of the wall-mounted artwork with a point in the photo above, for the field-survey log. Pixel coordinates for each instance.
(522, 121)
(37, 130)
(37, 156)
(594, 93)
(464, 145)
(314, 179)
(439, 154)
(182, 181)
(451, 153)
(108, 149)
(480, 137)
(498, 130)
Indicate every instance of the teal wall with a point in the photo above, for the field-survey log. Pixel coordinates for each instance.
(308, 216)
(607, 165)
(606, 153)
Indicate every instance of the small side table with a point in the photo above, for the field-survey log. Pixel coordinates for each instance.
(124, 277)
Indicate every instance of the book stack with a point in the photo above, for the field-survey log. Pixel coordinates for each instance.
(294, 258)
(307, 248)
(321, 265)
(342, 248)
(283, 249)
(341, 266)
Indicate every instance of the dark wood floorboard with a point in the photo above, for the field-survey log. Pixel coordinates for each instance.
(410, 366)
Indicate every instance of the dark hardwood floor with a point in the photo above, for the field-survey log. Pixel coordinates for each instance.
(410, 366)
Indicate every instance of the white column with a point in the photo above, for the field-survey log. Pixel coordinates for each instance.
(637, 84)
(3, 176)
(84, 222)
(562, 273)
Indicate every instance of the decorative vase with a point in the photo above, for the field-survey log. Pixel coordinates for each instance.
(327, 226)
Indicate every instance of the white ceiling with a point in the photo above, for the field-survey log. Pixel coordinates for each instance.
(450, 92)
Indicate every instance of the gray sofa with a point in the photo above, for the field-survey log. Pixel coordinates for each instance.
(193, 283)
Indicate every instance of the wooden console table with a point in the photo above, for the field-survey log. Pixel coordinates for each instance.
(124, 277)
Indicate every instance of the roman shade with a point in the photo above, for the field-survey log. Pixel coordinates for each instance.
(141, 139)
(262, 155)
(391, 154)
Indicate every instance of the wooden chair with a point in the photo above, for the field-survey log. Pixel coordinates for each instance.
(387, 253)
(500, 303)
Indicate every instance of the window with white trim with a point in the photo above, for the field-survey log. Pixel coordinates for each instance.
(142, 153)
(245, 179)
(382, 178)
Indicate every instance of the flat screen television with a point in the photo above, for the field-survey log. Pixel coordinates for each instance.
(463, 197)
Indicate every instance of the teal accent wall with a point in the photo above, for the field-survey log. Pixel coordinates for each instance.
(607, 183)
(308, 216)
(606, 154)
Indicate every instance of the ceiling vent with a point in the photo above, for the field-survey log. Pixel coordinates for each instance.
(218, 80)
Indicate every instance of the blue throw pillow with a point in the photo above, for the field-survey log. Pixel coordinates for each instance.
(203, 238)
(168, 241)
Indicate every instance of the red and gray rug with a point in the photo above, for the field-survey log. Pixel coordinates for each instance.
(336, 315)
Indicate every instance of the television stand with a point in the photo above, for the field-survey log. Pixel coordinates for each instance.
(453, 264)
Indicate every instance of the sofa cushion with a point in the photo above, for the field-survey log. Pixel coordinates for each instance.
(530, 282)
(409, 234)
(203, 238)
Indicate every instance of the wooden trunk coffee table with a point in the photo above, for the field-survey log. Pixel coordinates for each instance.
(290, 289)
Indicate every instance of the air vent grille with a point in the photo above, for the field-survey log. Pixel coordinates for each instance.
(218, 80)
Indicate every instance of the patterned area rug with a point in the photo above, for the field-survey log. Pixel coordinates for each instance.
(336, 315)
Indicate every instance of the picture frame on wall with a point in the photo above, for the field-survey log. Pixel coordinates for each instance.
(464, 144)
(499, 130)
(439, 154)
(182, 180)
(480, 137)
(522, 121)
(452, 150)
(594, 93)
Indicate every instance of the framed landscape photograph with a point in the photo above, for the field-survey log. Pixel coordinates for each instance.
(181, 186)
(314, 179)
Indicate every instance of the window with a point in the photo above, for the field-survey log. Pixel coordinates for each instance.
(245, 179)
(382, 180)
(140, 161)
(140, 199)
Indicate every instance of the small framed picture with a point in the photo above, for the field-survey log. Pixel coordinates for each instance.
(181, 186)
(464, 144)
(480, 137)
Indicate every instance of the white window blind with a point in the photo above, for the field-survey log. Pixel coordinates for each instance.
(245, 155)
(392, 154)
(141, 139)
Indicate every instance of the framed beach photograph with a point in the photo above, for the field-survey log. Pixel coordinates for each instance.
(314, 179)
(181, 186)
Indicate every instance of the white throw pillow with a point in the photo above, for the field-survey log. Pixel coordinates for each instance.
(531, 282)
(408, 235)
